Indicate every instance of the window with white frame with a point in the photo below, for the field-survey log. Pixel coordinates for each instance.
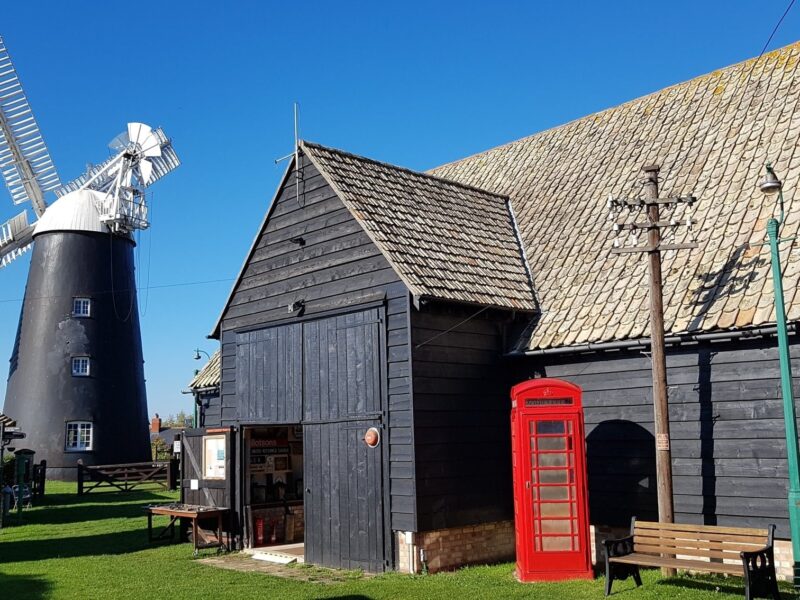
(79, 436)
(81, 307)
(80, 366)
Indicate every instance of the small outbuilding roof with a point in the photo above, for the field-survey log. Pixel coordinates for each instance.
(444, 239)
(209, 376)
(711, 136)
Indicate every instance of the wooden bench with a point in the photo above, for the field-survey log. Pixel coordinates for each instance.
(726, 550)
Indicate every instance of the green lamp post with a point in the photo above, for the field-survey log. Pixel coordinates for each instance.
(770, 185)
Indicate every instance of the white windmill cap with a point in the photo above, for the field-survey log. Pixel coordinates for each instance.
(76, 211)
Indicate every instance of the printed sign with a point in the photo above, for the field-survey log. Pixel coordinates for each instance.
(214, 457)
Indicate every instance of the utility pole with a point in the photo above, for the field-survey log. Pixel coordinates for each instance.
(651, 206)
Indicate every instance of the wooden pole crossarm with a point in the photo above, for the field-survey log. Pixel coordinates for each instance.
(660, 247)
(673, 200)
(648, 225)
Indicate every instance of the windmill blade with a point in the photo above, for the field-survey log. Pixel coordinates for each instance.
(16, 236)
(25, 163)
(101, 177)
(139, 132)
(145, 171)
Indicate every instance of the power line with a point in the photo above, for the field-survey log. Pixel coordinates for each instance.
(736, 96)
(150, 287)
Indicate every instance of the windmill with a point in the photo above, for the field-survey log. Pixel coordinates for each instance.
(76, 377)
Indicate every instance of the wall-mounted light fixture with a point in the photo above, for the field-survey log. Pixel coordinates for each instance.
(297, 306)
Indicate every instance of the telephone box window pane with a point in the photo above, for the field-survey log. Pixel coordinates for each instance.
(554, 476)
(556, 527)
(554, 492)
(555, 509)
(553, 460)
(553, 443)
(550, 427)
(556, 543)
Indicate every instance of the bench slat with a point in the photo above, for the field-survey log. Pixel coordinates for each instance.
(646, 549)
(705, 529)
(750, 543)
(711, 537)
(647, 560)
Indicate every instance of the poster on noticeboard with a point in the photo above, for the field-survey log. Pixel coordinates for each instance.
(214, 457)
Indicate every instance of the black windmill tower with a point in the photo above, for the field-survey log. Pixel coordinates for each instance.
(76, 377)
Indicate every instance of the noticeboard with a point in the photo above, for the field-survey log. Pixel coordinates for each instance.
(214, 457)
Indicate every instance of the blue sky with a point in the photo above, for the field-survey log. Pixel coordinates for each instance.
(414, 83)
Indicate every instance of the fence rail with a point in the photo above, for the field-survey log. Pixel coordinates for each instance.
(128, 476)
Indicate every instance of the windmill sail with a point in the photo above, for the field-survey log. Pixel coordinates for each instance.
(24, 160)
(16, 236)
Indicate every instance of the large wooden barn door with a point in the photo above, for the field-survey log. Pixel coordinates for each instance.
(207, 463)
(269, 375)
(342, 399)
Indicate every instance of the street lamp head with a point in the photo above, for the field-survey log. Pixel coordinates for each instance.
(197, 354)
(770, 184)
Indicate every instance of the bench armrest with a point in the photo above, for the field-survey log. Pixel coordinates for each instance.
(758, 560)
(619, 546)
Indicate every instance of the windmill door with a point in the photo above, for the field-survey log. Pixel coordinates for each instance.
(343, 400)
(550, 491)
(207, 463)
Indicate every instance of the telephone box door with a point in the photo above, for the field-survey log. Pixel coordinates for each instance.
(550, 490)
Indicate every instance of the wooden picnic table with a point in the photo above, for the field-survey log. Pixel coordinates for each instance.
(192, 513)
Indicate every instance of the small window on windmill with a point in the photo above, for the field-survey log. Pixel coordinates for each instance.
(79, 436)
(80, 366)
(81, 307)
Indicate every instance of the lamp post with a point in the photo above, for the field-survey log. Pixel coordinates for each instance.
(197, 352)
(196, 415)
(770, 185)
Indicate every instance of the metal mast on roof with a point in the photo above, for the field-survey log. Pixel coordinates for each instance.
(295, 154)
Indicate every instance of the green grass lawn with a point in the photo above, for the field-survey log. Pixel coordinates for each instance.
(96, 547)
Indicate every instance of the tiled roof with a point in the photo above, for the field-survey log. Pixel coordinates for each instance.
(445, 240)
(209, 376)
(711, 136)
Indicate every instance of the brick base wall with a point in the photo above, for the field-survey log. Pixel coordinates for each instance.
(446, 549)
(783, 559)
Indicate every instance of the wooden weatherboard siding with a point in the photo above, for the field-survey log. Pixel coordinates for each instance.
(461, 417)
(726, 425)
(338, 269)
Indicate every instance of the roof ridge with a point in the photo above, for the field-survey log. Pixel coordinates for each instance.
(726, 69)
(424, 174)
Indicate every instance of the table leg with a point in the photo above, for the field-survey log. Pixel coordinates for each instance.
(220, 543)
(149, 527)
(194, 534)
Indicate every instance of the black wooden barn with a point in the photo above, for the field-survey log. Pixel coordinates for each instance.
(374, 296)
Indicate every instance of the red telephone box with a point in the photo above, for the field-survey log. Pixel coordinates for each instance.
(551, 504)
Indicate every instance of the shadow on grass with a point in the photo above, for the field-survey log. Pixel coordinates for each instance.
(120, 542)
(349, 597)
(103, 498)
(721, 585)
(30, 587)
(80, 513)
